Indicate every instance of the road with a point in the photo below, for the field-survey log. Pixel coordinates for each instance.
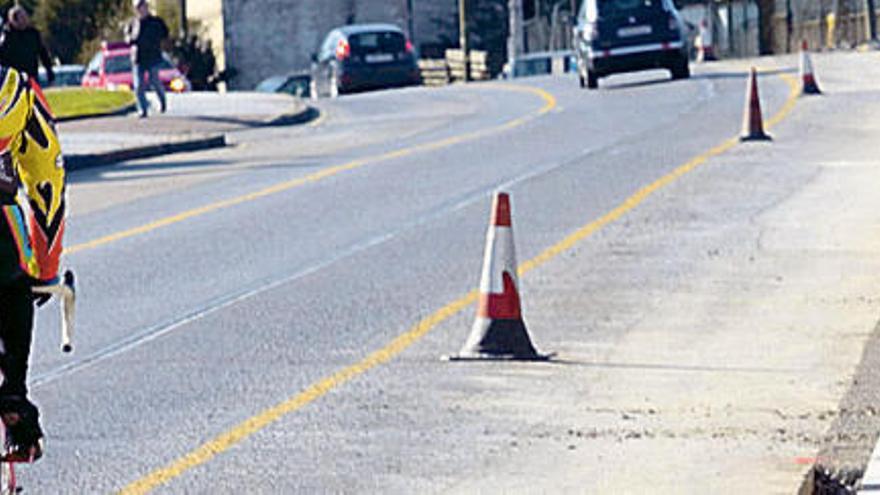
(270, 318)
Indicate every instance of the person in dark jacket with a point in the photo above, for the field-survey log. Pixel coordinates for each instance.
(21, 46)
(146, 34)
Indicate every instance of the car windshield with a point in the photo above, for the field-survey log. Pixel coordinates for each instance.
(624, 7)
(378, 42)
(117, 64)
(296, 85)
(271, 85)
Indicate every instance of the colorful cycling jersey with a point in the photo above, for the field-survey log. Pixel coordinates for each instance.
(32, 185)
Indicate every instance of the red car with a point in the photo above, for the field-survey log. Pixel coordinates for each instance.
(110, 68)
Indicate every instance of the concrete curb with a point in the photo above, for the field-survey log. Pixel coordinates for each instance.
(80, 162)
(115, 113)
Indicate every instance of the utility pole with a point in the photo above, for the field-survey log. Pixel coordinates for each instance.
(463, 38)
(411, 23)
(184, 29)
(872, 20)
(514, 36)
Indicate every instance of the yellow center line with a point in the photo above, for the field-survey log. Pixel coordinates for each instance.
(224, 441)
(549, 104)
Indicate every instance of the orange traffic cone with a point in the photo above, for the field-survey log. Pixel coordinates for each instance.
(499, 331)
(753, 124)
(808, 81)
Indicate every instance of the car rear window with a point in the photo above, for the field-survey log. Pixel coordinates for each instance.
(378, 42)
(621, 7)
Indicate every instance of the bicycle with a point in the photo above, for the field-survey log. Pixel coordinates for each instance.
(66, 290)
(8, 483)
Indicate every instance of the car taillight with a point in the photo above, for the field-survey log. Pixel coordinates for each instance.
(343, 50)
(409, 46)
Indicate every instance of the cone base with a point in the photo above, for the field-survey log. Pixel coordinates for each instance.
(811, 90)
(755, 137)
(493, 339)
(497, 357)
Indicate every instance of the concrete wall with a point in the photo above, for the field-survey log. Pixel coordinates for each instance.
(267, 37)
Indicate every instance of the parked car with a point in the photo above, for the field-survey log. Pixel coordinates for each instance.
(363, 56)
(295, 83)
(65, 75)
(613, 36)
(111, 68)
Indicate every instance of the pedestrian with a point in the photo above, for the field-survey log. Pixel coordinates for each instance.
(146, 33)
(21, 46)
(32, 209)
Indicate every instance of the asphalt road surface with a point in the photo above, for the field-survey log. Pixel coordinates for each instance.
(270, 318)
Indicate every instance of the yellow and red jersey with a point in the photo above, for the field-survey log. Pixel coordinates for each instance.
(32, 180)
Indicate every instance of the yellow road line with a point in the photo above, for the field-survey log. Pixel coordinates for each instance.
(549, 104)
(223, 442)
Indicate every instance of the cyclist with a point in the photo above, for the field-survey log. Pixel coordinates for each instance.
(32, 209)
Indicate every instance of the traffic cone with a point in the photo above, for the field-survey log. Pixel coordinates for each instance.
(499, 331)
(809, 86)
(753, 124)
(705, 43)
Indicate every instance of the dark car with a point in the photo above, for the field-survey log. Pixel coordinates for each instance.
(295, 83)
(361, 57)
(614, 36)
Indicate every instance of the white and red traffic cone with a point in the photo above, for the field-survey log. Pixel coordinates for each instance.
(499, 331)
(705, 42)
(753, 123)
(808, 79)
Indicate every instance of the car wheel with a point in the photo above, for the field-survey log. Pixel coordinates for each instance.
(592, 80)
(681, 70)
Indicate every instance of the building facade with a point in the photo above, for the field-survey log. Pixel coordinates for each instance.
(255, 39)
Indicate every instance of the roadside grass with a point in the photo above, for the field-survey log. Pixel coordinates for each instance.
(69, 103)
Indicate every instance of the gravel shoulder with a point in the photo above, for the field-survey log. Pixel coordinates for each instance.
(740, 302)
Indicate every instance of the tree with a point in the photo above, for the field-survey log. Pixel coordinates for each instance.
(5, 5)
(196, 58)
(74, 29)
(69, 24)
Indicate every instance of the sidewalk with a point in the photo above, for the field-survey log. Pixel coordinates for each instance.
(194, 121)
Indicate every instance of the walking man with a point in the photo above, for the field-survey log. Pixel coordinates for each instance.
(21, 46)
(146, 34)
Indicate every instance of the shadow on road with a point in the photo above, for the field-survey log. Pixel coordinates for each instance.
(148, 170)
(673, 367)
